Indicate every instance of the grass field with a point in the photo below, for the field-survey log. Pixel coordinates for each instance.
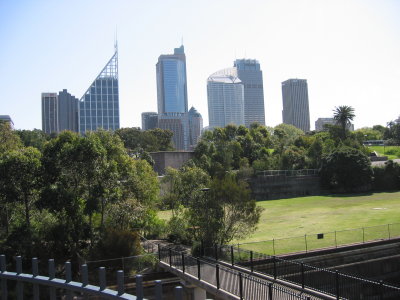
(382, 151)
(289, 220)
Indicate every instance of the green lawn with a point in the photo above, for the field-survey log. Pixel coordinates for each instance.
(286, 219)
(382, 151)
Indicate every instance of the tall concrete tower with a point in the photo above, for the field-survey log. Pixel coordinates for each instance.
(296, 110)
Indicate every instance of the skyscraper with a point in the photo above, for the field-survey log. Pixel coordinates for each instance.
(295, 103)
(249, 72)
(99, 106)
(171, 82)
(195, 126)
(50, 113)
(59, 112)
(149, 120)
(67, 111)
(172, 97)
(225, 94)
(178, 123)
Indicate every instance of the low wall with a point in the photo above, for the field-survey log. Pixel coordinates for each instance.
(173, 159)
(276, 187)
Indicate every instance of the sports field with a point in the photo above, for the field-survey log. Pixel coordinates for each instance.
(304, 217)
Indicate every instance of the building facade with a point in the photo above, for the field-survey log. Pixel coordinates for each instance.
(67, 111)
(172, 83)
(225, 95)
(178, 123)
(50, 113)
(195, 127)
(99, 106)
(321, 122)
(295, 104)
(250, 74)
(149, 120)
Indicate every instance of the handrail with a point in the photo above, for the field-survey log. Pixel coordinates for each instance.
(70, 286)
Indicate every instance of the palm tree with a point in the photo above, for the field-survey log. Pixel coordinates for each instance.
(343, 115)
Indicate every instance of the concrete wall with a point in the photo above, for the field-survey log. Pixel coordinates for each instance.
(173, 159)
(276, 187)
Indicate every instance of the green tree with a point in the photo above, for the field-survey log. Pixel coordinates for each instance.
(343, 115)
(33, 138)
(346, 169)
(225, 212)
(19, 182)
(9, 139)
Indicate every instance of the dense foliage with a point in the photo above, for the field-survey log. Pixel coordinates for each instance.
(346, 169)
(72, 196)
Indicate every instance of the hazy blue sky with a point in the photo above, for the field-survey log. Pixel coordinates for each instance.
(348, 50)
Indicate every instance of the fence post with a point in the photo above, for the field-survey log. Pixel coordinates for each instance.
(20, 286)
(232, 258)
(273, 245)
(337, 284)
(381, 289)
(302, 275)
(251, 261)
(389, 231)
(217, 275)
(274, 259)
(363, 235)
(170, 257)
(102, 278)
(68, 278)
(139, 287)
(3, 269)
(305, 240)
(335, 240)
(120, 283)
(269, 291)
(159, 252)
(178, 292)
(35, 272)
(183, 262)
(198, 268)
(240, 286)
(52, 275)
(158, 289)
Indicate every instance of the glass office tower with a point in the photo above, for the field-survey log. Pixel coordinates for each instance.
(171, 82)
(249, 72)
(225, 94)
(99, 106)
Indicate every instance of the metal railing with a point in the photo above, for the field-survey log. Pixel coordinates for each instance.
(302, 172)
(332, 239)
(337, 284)
(68, 288)
(242, 285)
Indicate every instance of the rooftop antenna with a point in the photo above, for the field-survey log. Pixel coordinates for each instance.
(116, 39)
(182, 40)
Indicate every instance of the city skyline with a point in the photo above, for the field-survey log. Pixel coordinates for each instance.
(347, 50)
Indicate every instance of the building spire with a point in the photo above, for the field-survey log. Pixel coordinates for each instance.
(116, 39)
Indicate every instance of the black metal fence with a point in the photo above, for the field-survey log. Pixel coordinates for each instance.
(243, 285)
(340, 285)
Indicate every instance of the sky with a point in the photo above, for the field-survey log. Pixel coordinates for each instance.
(348, 50)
